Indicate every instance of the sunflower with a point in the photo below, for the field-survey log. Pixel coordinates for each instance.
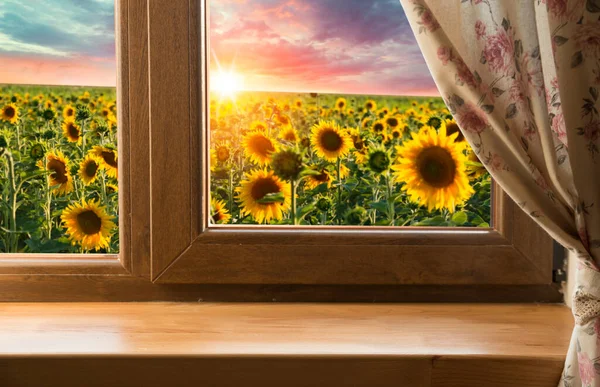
(72, 131)
(10, 113)
(392, 121)
(288, 134)
(258, 126)
(253, 190)
(222, 152)
(432, 166)
(111, 189)
(109, 159)
(259, 147)
(379, 126)
(360, 148)
(340, 104)
(313, 181)
(58, 165)
(283, 120)
(298, 103)
(218, 211)
(371, 105)
(88, 225)
(88, 169)
(329, 141)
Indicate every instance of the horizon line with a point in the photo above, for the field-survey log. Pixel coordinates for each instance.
(241, 91)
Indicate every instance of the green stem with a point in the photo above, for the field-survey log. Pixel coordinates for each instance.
(13, 237)
(339, 176)
(392, 210)
(231, 192)
(293, 188)
(48, 211)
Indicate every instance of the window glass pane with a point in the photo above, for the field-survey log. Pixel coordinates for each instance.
(323, 112)
(58, 127)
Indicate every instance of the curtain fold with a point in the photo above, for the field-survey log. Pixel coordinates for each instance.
(522, 79)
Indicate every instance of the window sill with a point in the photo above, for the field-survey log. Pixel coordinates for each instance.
(155, 344)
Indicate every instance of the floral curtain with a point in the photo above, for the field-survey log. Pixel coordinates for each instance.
(522, 78)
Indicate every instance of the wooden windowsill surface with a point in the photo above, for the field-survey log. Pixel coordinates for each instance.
(155, 344)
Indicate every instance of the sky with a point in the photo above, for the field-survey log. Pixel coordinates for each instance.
(340, 46)
(57, 42)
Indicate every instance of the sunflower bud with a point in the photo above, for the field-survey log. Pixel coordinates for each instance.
(287, 164)
(379, 161)
(356, 216)
(83, 113)
(324, 204)
(37, 151)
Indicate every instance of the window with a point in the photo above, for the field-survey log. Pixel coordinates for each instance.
(324, 113)
(58, 132)
(169, 250)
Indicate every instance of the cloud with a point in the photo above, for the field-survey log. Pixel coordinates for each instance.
(68, 27)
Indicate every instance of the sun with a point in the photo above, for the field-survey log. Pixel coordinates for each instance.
(226, 83)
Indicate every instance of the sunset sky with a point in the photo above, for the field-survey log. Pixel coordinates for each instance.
(341, 46)
(57, 42)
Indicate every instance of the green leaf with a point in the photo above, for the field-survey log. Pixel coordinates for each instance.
(276, 197)
(460, 218)
(380, 206)
(483, 224)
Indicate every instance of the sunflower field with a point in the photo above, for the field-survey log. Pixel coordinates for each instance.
(323, 159)
(58, 170)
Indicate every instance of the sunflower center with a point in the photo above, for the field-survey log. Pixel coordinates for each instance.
(73, 130)
(217, 217)
(331, 141)
(378, 127)
(323, 177)
(369, 105)
(392, 121)
(89, 222)
(9, 111)
(396, 134)
(263, 145)
(109, 158)
(91, 168)
(452, 128)
(70, 112)
(436, 166)
(58, 171)
(263, 187)
(223, 154)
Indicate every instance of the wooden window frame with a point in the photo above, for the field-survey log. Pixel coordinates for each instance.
(168, 252)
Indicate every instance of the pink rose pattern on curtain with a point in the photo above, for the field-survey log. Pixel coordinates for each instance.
(522, 79)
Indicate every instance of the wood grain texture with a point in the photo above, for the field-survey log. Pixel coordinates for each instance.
(286, 255)
(170, 179)
(470, 371)
(56, 264)
(215, 372)
(287, 344)
(123, 113)
(338, 264)
(137, 184)
(99, 288)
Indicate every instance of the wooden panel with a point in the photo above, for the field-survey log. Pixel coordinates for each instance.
(139, 149)
(282, 344)
(161, 329)
(472, 372)
(43, 264)
(122, 47)
(225, 372)
(95, 288)
(170, 130)
(332, 264)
